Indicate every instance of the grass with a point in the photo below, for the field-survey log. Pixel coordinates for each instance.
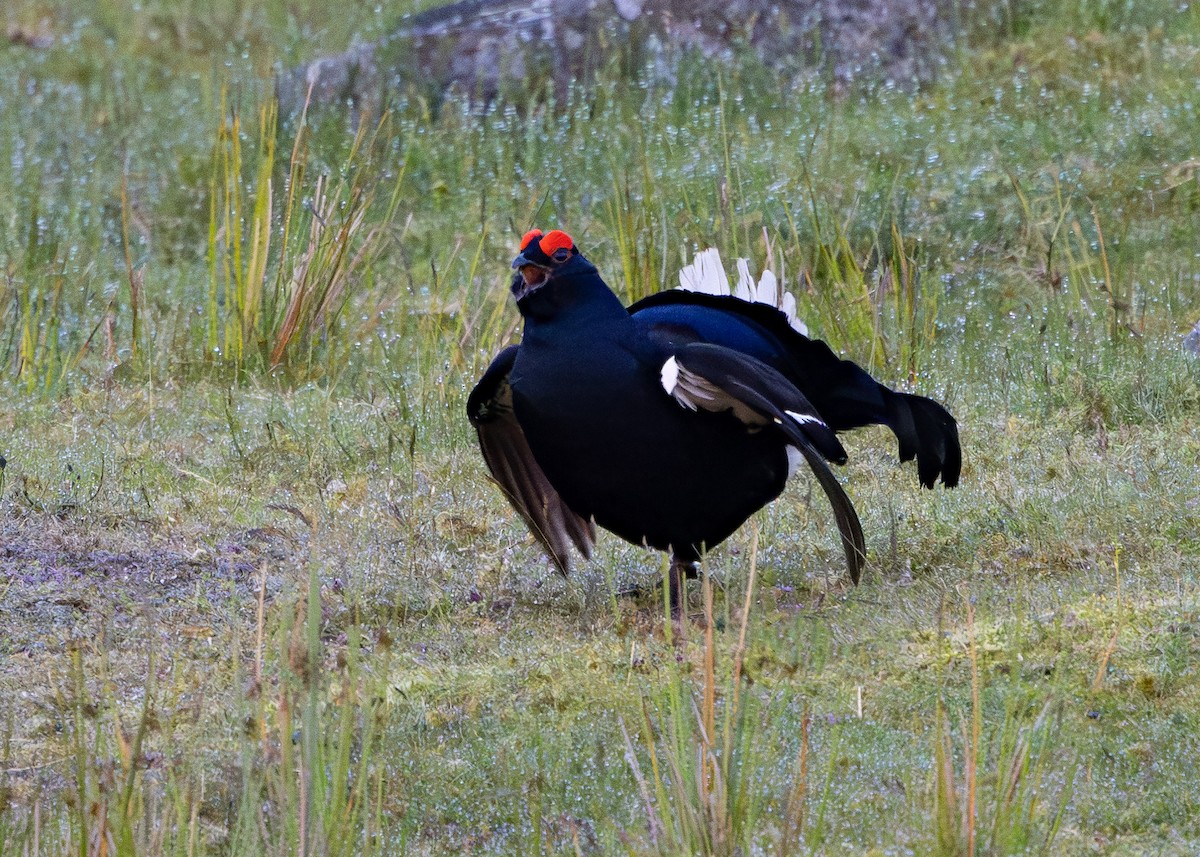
(258, 597)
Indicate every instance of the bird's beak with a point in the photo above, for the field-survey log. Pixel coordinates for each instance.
(518, 286)
(528, 277)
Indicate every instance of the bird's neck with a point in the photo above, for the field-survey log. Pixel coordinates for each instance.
(583, 300)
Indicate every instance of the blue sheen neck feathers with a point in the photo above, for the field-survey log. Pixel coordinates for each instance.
(574, 293)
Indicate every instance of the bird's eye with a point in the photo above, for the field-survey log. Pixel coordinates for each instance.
(561, 254)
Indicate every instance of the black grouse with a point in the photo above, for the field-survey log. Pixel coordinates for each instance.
(673, 421)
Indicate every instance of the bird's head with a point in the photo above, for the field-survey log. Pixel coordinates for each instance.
(542, 258)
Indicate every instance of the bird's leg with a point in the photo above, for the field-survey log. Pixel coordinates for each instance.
(681, 570)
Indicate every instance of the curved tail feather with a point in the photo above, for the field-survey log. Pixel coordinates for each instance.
(928, 433)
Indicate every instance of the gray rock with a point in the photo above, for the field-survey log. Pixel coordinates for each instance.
(482, 47)
(1191, 342)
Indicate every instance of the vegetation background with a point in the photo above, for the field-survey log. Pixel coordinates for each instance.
(258, 597)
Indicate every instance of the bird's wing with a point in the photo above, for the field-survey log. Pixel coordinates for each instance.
(512, 465)
(714, 378)
(844, 394)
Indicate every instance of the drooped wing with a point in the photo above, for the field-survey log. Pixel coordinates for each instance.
(510, 460)
(714, 378)
(843, 392)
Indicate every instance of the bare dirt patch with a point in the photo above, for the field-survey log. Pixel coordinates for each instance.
(119, 594)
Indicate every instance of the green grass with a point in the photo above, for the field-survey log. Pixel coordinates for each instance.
(259, 597)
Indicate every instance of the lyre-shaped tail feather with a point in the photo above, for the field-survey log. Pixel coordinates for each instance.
(706, 275)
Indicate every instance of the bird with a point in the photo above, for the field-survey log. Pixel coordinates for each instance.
(673, 420)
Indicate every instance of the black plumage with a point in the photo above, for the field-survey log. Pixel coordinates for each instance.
(671, 422)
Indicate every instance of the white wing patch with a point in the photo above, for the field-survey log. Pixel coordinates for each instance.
(706, 275)
(670, 375)
(805, 418)
(695, 392)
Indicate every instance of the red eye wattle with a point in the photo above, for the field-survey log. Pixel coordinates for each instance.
(529, 237)
(555, 240)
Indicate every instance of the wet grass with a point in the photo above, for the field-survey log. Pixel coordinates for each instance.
(258, 597)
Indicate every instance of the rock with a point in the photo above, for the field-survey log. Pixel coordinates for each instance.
(1191, 342)
(482, 47)
(351, 78)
